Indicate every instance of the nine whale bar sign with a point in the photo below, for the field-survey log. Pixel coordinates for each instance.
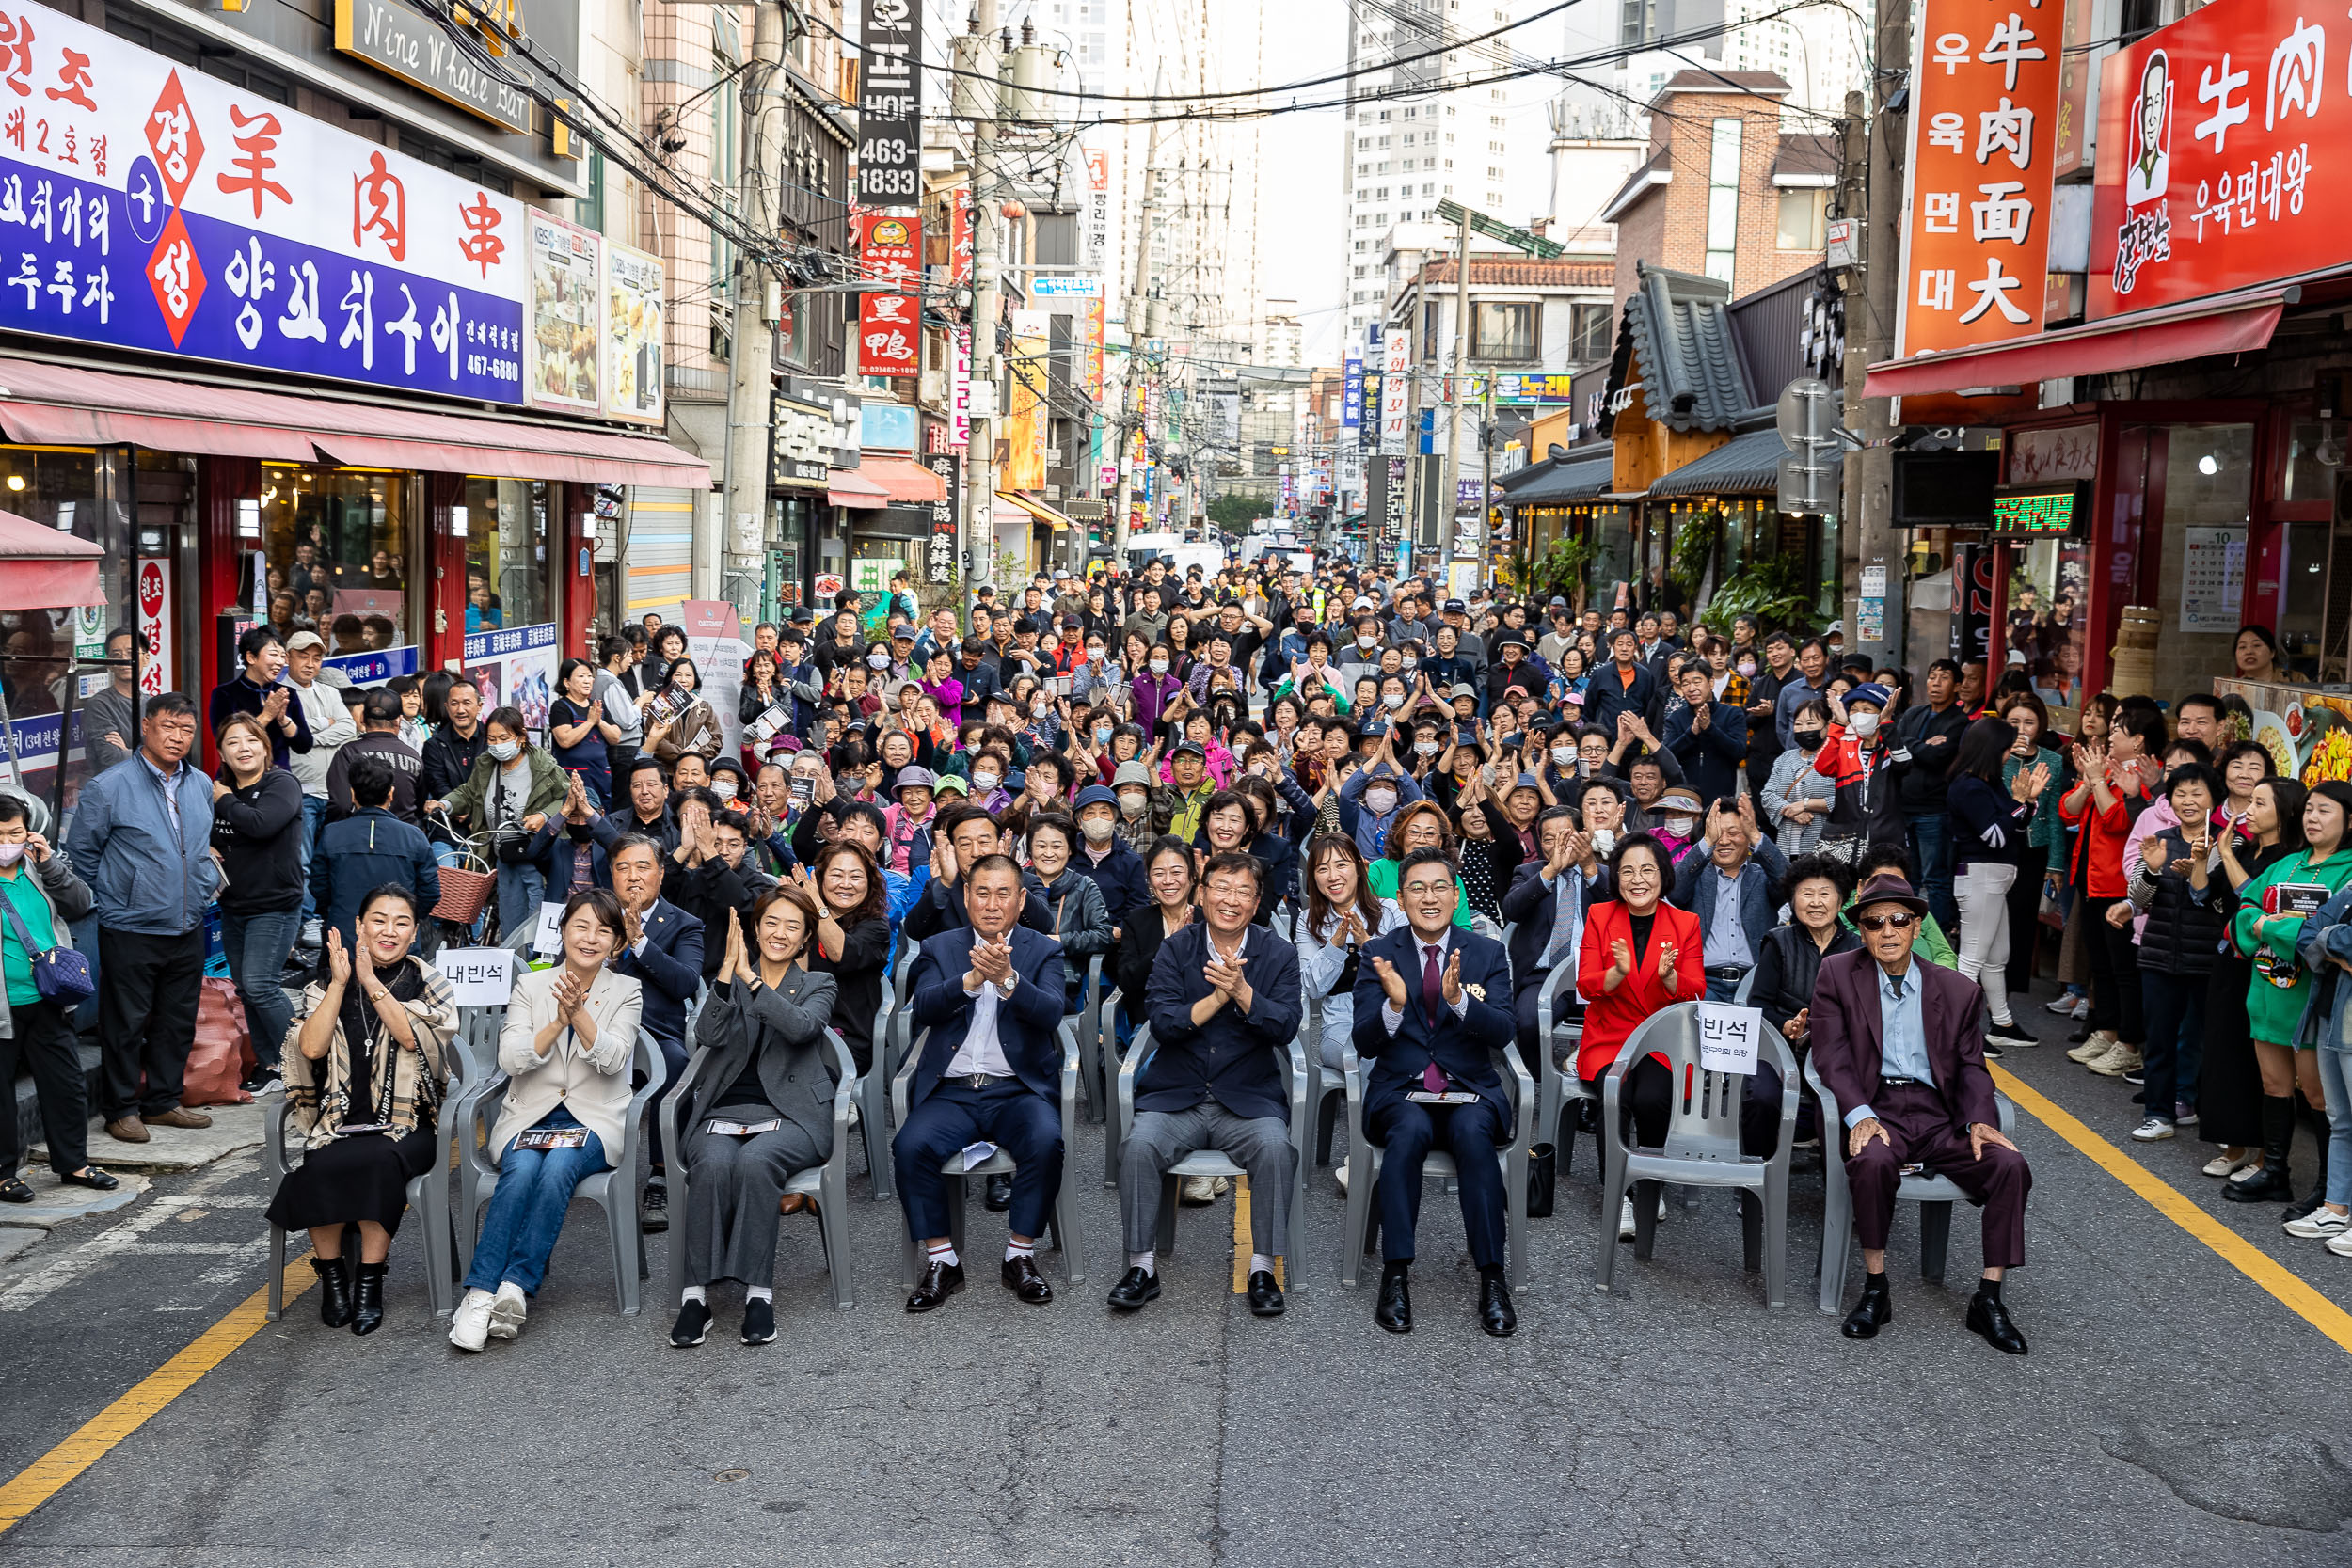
(390, 37)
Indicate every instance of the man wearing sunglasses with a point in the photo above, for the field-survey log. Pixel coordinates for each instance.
(1899, 1043)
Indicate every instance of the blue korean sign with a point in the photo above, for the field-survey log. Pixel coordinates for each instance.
(149, 207)
(377, 666)
(1352, 393)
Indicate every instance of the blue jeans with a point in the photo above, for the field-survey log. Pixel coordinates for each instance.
(2173, 1006)
(1931, 836)
(257, 947)
(521, 890)
(527, 1212)
(2335, 1084)
(314, 819)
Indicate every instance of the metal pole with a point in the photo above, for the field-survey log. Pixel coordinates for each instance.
(1139, 327)
(751, 359)
(988, 258)
(1454, 403)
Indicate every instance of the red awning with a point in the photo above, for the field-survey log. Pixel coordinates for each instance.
(2225, 324)
(65, 405)
(45, 568)
(904, 481)
(849, 488)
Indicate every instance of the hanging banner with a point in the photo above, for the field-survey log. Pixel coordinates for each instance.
(2205, 154)
(959, 386)
(516, 668)
(1097, 225)
(1983, 125)
(150, 207)
(939, 555)
(959, 237)
(890, 103)
(1397, 350)
(1091, 318)
(567, 315)
(889, 327)
(633, 308)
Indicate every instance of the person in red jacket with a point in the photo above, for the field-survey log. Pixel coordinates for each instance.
(2114, 786)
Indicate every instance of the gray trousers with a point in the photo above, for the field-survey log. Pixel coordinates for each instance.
(1259, 1145)
(732, 1187)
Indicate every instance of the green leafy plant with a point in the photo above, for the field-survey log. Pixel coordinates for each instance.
(1695, 537)
(1558, 571)
(1771, 588)
(1234, 512)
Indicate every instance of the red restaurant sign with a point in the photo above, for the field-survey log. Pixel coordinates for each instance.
(890, 327)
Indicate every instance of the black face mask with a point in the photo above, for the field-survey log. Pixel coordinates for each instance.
(579, 832)
(1806, 739)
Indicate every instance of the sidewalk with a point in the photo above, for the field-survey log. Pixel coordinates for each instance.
(169, 1150)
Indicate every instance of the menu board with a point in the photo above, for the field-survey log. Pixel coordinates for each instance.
(2213, 578)
(632, 334)
(561, 349)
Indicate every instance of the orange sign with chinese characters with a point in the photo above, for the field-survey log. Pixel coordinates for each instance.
(1983, 143)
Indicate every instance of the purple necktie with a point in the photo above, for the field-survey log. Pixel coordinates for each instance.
(1432, 995)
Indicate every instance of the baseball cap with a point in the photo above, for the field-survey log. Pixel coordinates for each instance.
(1455, 607)
(1463, 689)
(1130, 773)
(1194, 748)
(1097, 795)
(302, 640)
(948, 783)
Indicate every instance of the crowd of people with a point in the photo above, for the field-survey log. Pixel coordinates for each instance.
(1267, 800)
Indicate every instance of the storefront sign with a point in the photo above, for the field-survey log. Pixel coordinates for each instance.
(1983, 122)
(889, 327)
(887, 426)
(959, 236)
(1090, 325)
(516, 668)
(960, 388)
(2064, 451)
(939, 556)
(395, 40)
(801, 437)
(2206, 151)
(156, 208)
(155, 607)
(1352, 391)
(890, 103)
(565, 319)
(2037, 511)
(1097, 221)
(376, 665)
(634, 308)
(1395, 412)
(1524, 389)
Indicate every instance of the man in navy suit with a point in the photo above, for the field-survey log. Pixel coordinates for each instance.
(1424, 1017)
(1223, 991)
(990, 995)
(663, 953)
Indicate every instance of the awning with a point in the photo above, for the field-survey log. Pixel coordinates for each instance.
(66, 405)
(1038, 510)
(1744, 466)
(45, 568)
(903, 479)
(851, 488)
(1564, 481)
(2224, 324)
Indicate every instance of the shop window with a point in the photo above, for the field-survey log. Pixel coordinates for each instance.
(2048, 595)
(337, 541)
(59, 488)
(1590, 332)
(506, 553)
(2311, 475)
(1503, 331)
(1804, 219)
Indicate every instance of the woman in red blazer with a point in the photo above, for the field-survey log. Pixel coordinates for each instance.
(1640, 955)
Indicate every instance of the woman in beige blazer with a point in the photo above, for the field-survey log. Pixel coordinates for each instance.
(565, 1051)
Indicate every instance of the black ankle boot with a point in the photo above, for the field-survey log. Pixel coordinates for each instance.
(334, 1290)
(2272, 1185)
(2318, 1194)
(367, 1307)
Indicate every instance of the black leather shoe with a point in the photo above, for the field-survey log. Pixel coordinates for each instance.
(1495, 1314)
(1265, 1296)
(692, 1325)
(1395, 1311)
(999, 1196)
(1020, 1277)
(1134, 1289)
(103, 1181)
(1874, 1312)
(653, 1213)
(2267, 1187)
(367, 1298)
(334, 1290)
(759, 1321)
(939, 1282)
(1990, 1318)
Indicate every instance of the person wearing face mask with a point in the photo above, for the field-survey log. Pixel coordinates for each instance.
(1154, 689)
(1131, 785)
(1675, 817)
(1864, 765)
(1379, 792)
(1082, 923)
(1095, 679)
(1797, 799)
(1108, 859)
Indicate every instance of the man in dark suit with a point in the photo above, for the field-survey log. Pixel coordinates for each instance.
(1423, 1017)
(990, 992)
(1224, 1005)
(1624, 684)
(663, 951)
(1545, 911)
(1899, 1044)
(960, 838)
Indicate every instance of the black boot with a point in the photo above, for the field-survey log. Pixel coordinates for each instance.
(2318, 1194)
(334, 1290)
(367, 1307)
(2272, 1185)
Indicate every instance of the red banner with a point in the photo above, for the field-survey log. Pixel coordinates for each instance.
(890, 325)
(2206, 152)
(959, 237)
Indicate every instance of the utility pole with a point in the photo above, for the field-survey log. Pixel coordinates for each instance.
(751, 357)
(988, 253)
(1138, 328)
(1868, 538)
(1454, 403)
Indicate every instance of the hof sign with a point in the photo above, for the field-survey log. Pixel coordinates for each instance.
(890, 103)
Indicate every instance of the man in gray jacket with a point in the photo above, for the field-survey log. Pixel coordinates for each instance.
(142, 838)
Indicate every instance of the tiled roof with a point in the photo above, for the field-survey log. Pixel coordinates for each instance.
(1805, 152)
(1579, 478)
(1744, 466)
(1724, 81)
(1526, 273)
(1675, 338)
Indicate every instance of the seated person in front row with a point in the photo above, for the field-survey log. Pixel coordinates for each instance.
(773, 1070)
(1224, 1005)
(364, 1082)
(566, 1047)
(1407, 985)
(990, 991)
(1900, 1043)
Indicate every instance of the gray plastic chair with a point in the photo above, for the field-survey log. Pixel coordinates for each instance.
(1702, 1148)
(1094, 1073)
(428, 1194)
(1062, 1225)
(1209, 1161)
(827, 1184)
(873, 1096)
(1364, 1158)
(1560, 1038)
(1102, 1053)
(1934, 1195)
(616, 1190)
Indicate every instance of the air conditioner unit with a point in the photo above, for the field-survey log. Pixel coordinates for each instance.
(1053, 457)
(932, 386)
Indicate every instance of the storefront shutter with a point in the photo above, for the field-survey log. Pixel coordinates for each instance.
(657, 557)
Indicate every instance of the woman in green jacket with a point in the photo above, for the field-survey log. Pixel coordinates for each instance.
(2264, 929)
(512, 789)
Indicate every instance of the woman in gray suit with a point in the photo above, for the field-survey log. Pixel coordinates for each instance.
(771, 1084)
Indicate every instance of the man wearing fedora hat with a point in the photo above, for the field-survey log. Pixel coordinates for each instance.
(1899, 1044)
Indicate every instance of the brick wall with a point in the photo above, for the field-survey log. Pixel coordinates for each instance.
(679, 64)
(1667, 226)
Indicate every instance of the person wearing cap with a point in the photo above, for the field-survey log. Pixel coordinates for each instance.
(1899, 1043)
(1107, 858)
(908, 820)
(1177, 805)
(1859, 757)
(1130, 784)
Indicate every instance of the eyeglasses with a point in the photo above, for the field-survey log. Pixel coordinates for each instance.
(1903, 920)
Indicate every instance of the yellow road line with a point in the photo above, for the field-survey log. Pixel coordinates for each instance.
(2234, 1249)
(1241, 1242)
(53, 1471)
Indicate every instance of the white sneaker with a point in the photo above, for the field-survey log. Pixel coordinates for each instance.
(2319, 1224)
(470, 1325)
(2116, 1063)
(1199, 1189)
(2340, 1243)
(2247, 1172)
(2155, 1130)
(1339, 1174)
(2099, 1044)
(507, 1310)
(2227, 1164)
(2080, 1010)
(2064, 1006)
(1625, 1220)
(314, 932)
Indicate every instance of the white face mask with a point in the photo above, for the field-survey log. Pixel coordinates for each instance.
(11, 853)
(1098, 831)
(1866, 724)
(1039, 710)
(1133, 803)
(1380, 801)
(722, 789)
(1681, 827)
(1411, 662)
(879, 660)
(1393, 700)
(505, 751)
(1159, 667)
(1426, 748)
(1563, 755)
(1367, 644)
(983, 782)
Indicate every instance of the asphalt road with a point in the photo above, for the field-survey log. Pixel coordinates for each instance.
(2172, 1410)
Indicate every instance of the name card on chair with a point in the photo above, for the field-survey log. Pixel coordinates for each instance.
(482, 976)
(547, 941)
(1729, 1037)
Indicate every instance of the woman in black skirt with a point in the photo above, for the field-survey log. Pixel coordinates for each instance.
(2228, 1094)
(365, 1086)
(851, 941)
